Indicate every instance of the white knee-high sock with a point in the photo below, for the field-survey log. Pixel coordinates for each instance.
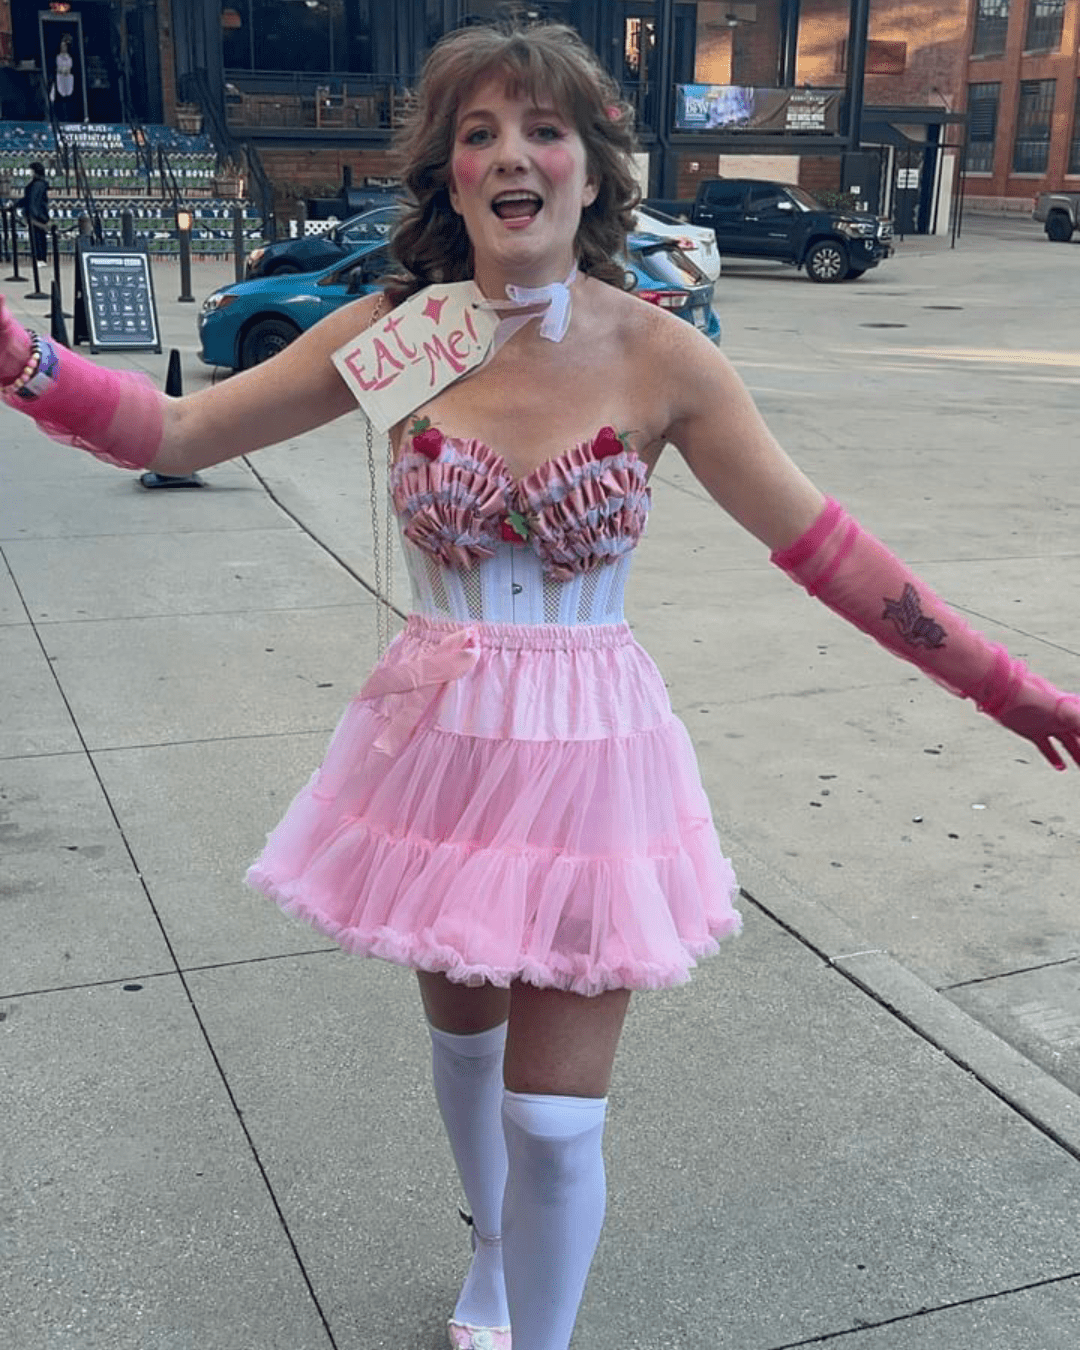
(469, 1089)
(553, 1211)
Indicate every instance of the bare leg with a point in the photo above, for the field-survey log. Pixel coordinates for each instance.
(562, 1043)
(459, 1008)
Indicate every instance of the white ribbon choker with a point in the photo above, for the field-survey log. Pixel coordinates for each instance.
(554, 318)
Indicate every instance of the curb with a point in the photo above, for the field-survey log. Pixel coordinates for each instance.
(1035, 1094)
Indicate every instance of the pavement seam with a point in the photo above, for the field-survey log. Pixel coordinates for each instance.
(321, 543)
(1007, 974)
(180, 974)
(167, 974)
(973, 1301)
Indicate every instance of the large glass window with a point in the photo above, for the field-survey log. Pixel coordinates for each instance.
(317, 36)
(991, 27)
(1074, 144)
(1045, 18)
(982, 109)
(1033, 120)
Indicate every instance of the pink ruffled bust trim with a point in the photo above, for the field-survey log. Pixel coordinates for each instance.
(581, 510)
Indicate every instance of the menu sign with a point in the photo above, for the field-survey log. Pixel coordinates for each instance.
(118, 297)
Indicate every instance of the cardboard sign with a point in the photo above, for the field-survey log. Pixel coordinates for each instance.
(115, 300)
(406, 358)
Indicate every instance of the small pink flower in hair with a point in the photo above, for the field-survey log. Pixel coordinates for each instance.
(613, 111)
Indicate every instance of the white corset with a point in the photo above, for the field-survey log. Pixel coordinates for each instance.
(510, 587)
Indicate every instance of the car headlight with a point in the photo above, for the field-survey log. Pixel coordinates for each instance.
(859, 229)
(218, 300)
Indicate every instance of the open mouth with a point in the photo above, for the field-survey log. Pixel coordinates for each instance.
(516, 205)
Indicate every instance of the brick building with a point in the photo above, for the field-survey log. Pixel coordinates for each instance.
(1023, 94)
(318, 88)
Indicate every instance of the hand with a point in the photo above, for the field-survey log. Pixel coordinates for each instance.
(1038, 711)
(14, 346)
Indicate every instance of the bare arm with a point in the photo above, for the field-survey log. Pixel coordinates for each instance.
(723, 438)
(293, 392)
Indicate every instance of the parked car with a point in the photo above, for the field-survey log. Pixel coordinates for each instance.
(1059, 213)
(698, 241)
(754, 218)
(666, 276)
(313, 252)
(248, 322)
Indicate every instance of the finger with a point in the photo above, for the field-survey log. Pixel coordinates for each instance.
(1049, 752)
(1072, 744)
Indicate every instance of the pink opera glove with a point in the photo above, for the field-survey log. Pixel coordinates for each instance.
(856, 575)
(114, 414)
(14, 346)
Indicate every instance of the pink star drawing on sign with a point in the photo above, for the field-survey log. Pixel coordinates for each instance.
(434, 308)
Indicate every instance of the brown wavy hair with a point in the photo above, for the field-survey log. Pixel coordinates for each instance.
(548, 62)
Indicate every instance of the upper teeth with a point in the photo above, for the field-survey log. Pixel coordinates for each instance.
(517, 197)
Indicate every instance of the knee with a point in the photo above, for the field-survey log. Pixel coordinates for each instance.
(553, 1141)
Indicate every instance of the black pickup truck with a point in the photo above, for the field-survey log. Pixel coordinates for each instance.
(757, 219)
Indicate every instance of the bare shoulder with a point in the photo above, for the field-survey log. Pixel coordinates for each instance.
(668, 355)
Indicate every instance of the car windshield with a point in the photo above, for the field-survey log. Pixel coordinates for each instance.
(664, 261)
(368, 225)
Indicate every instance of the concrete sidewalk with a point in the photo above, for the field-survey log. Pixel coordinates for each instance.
(218, 1130)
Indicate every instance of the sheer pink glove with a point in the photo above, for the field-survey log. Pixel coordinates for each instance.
(114, 414)
(854, 574)
(14, 346)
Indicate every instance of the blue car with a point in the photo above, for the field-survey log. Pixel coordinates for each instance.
(247, 323)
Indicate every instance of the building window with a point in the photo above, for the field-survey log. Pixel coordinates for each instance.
(982, 107)
(1044, 25)
(1033, 126)
(991, 26)
(1074, 145)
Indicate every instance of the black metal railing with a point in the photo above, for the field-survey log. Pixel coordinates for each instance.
(170, 188)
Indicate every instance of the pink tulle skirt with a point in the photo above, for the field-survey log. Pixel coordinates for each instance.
(507, 802)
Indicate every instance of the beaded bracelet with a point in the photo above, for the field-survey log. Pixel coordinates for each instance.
(43, 373)
(28, 371)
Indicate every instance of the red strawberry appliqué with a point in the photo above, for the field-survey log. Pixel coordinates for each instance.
(514, 528)
(426, 439)
(608, 442)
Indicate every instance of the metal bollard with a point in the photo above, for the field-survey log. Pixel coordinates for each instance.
(37, 293)
(127, 228)
(4, 255)
(14, 249)
(239, 252)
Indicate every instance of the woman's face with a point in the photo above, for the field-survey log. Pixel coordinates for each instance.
(519, 180)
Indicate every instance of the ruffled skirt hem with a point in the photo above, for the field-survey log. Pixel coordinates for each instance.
(421, 951)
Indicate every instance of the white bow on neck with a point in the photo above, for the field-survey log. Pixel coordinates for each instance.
(554, 318)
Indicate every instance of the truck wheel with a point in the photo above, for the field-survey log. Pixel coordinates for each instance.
(827, 261)
(1059, 227)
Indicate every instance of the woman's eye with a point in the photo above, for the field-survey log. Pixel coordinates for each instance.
(548, 133)
(477, 136)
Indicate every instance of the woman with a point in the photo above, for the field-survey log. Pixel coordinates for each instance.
(509, 806)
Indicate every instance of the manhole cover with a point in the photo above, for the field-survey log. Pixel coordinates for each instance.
(883, 325)
(943, 306)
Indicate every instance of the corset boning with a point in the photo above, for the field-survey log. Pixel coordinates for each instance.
(511, 587)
